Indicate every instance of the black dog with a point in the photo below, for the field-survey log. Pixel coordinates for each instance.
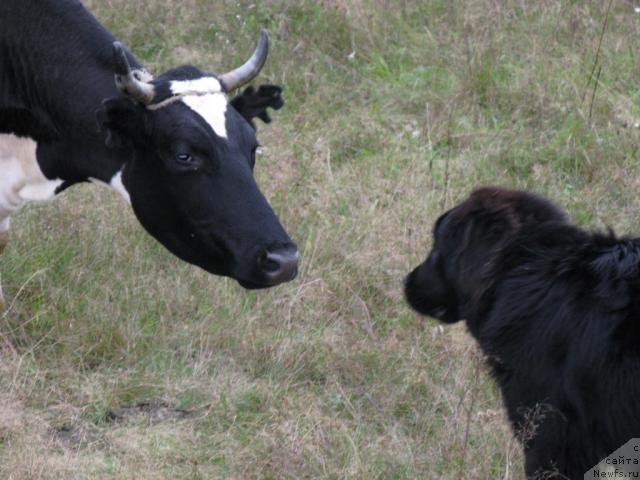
(555, 309)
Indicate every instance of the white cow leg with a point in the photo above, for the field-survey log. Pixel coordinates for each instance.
(4, 239)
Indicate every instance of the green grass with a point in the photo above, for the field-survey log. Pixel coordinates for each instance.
(395, 111)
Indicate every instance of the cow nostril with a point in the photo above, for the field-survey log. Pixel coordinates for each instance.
(269, 265)
(279, 265)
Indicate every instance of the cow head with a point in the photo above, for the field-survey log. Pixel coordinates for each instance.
(190, 178)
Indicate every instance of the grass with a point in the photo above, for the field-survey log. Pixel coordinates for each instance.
(395, 111)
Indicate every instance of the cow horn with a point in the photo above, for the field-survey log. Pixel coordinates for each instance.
(247, 72)
(126, 80)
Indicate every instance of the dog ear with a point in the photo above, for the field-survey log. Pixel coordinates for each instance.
(122, 120)
(253, 103)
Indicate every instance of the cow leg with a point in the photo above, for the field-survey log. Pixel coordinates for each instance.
(4, 239)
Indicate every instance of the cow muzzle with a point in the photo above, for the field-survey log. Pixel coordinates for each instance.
(278, 265)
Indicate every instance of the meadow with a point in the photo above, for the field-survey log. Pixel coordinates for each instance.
(118, 361)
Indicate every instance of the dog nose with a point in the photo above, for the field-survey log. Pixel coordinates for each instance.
(279, 265)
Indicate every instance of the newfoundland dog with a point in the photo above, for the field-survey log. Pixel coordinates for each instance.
(556, 311)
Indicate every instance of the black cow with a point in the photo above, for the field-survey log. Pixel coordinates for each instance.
(174, 145)
(555, 309)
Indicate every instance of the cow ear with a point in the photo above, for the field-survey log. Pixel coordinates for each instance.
(122, 120)
(253, 103)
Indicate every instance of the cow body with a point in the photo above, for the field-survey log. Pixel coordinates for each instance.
(55, 70)
(556, 311)
(57, 73)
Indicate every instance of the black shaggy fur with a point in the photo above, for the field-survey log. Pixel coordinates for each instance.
(555, 309)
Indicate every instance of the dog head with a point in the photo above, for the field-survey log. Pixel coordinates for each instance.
(467, 252)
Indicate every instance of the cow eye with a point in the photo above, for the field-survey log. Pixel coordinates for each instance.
(185, 159)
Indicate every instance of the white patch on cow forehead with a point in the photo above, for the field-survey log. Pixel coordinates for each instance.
(201, 85)
(206, 97)
(212, 108)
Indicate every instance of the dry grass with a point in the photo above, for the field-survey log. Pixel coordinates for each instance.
(395, 111)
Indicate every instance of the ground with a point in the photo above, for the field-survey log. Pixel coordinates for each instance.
(121, 362)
